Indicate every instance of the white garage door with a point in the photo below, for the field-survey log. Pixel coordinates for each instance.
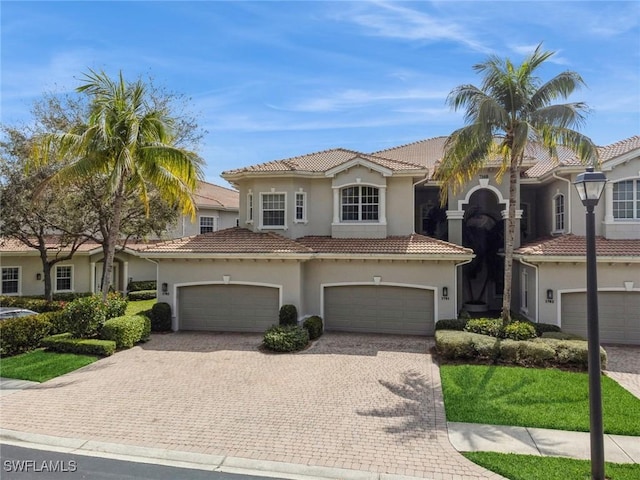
(379, 309)
(227, 308)
(618, 316)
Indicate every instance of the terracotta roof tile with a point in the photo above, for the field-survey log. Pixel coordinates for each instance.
(321, 162)
(211, 195)
(619, 148)
(424, 152)
(573, 245)
(9, 245)
(230, 240)
(411, 244)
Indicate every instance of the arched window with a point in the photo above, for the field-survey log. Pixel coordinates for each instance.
(558, 213)
(359, 203)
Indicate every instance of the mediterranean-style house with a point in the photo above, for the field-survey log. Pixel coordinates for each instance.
(362, 240)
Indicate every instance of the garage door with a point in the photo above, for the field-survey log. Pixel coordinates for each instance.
(227, 308)
(379, 309)
(618, 316)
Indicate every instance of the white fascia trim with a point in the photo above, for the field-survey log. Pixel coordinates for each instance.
(358, 161)
(391, 256)
(575, 259)
(230, 256)
(610, 164)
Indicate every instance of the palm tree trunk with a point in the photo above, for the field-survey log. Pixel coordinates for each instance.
(112, 239)
(509, 241)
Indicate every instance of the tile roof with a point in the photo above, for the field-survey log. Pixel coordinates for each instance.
(619, 148)
(52, 242)
(230, 240)
(404, 245)
(321, 162)
(424, 152)
(211, 195)
(574, 245)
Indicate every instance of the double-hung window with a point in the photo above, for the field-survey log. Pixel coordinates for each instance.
(360, 204)
(208, 224)
(558, 213)
(10, 280)
(64, 278)
(626, 200)
(273, 210)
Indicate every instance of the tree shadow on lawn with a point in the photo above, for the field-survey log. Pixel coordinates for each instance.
(414, 408)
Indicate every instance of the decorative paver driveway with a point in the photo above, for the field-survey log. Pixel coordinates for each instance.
(624, 366)
(363, 402)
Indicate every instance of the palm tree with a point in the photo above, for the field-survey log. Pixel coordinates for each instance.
(132, 145)
(510, 111)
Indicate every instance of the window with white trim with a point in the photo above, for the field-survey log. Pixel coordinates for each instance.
(10, 281)
(301, 207)
(558, 213)
(273, 210)
(524, 290)
(64, 278)
(208, 224)
(250, 207)
(626, 200)
(359, 203)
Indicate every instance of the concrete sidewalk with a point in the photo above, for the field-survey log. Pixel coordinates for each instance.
(470, 437)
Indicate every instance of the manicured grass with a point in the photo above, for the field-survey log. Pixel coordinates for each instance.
(133, 308)
(40, 365)
(529, 467)
(532, 397)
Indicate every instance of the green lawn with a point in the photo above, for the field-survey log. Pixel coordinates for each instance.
(139, 306)
(529, 467)
(40, 365)
(532, 397)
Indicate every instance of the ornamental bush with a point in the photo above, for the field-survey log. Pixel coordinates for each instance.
(519, 331)
(85, 316)
(126, 331)
(160, 317)
(142, 295)
(452, 324)
(485, 326)
(313, 325)
(116, 305)
(141, 285)
(58, 320)
(288, 315)
(286, 338)
(65, 343)
(39, 305)
(21, 334)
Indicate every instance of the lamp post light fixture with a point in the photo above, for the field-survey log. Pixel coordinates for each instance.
(590, 185)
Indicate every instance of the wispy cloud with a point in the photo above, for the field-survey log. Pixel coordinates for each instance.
(529, 49)
(391, 20)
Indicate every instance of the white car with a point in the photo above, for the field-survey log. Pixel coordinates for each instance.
(13, 312)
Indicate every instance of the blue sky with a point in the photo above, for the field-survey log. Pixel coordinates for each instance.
(271, 80)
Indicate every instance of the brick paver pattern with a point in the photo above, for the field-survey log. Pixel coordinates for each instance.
(363, 402)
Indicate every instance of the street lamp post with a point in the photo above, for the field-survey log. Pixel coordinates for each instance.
(590, 185)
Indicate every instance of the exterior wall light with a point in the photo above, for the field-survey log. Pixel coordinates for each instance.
(165, 288)
(445, 291)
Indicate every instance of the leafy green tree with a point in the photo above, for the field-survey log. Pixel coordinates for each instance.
(133, 144)
(512, 111)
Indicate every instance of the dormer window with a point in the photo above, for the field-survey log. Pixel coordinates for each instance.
(360, 203)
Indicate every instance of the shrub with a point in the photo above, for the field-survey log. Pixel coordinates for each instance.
(39, 305)
(140, 285)
(454, 345)
(65, 343)
(286, 338)
(485, 326)
(542, 328)
(58, 320)
(85, 316)
(313, 325)
(21, 334)
(519, 331)
(116, 305)
(451, 324)
(146, 331)
(142, 295)
(126, 331)
(160, 317)
(561, 336)
(288, 315)
(574, 353)
(526, 353)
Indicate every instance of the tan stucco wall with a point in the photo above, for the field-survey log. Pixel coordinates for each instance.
(431, 274)
(570, 276)
(622, 228)
(286, 273)
(185, 226)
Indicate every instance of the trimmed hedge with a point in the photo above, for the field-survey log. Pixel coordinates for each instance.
(85, 316)
(58, 320)
(484, 326)
(65, 343)
(21, 334)
(39, 305)
(140, 285)
(539, 352)
(142, 295)
(519, 331)
(126, 331)
(452, 324)
(313, 325)
(160, 317)
(288, 315)
(286, 338)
